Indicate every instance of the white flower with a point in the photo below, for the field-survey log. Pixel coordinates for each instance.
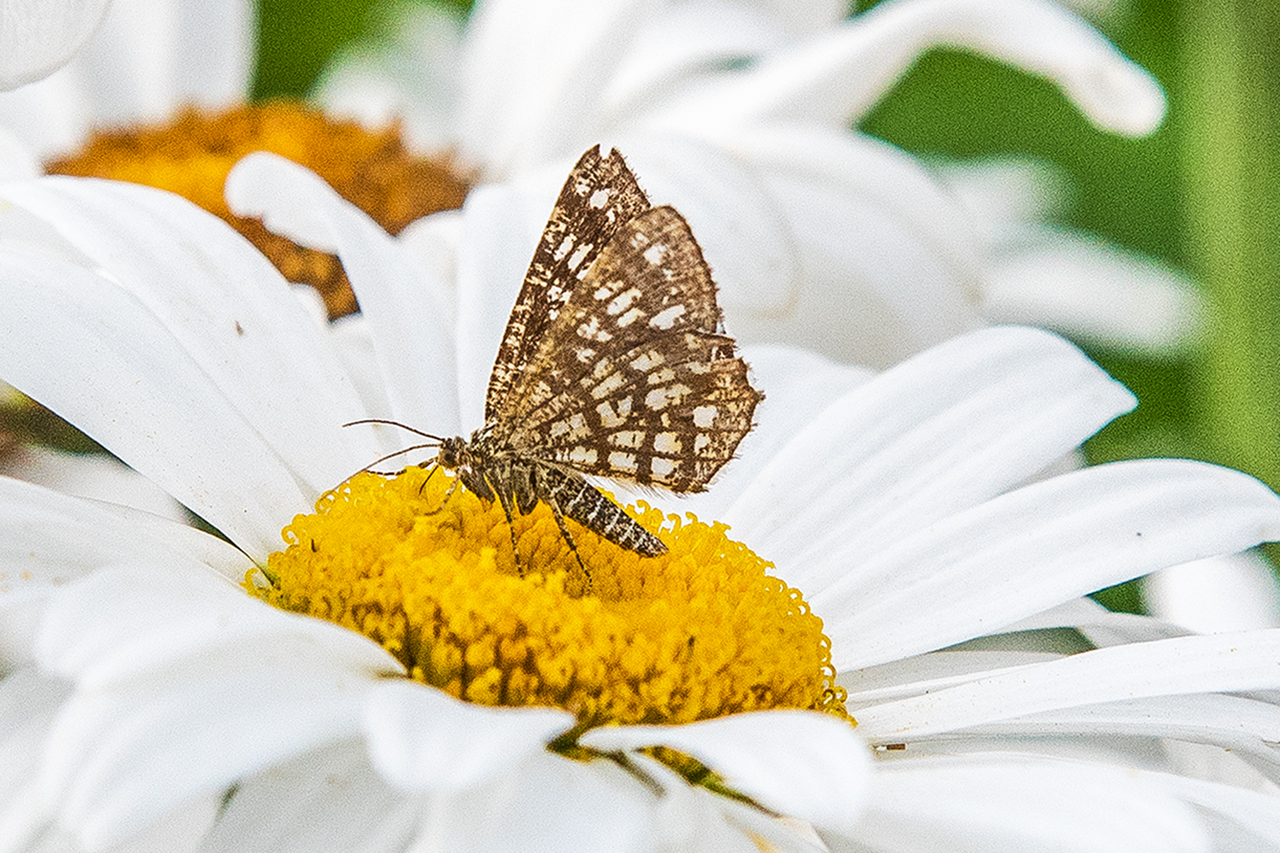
(739, 113)
(147, 59)
(36, 40)
(148, 697)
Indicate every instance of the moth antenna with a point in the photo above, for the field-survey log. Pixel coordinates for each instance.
(393, 455)
(401, 426)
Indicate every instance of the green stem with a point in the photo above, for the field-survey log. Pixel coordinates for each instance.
(1233, 189)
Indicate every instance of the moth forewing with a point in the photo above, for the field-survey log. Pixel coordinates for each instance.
(600, 195)
(614, 362)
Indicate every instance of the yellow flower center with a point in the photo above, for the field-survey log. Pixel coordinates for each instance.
(192, 154)
(697, 633)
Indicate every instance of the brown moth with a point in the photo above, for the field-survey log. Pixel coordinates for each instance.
(614, 363)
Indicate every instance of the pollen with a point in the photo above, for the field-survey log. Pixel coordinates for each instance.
(697, 633)
(192, 154)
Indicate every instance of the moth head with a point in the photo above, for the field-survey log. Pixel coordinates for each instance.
(451, 453)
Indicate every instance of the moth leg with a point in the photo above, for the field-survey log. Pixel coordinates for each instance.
(505, 500)
(448, 493)
(558, 515)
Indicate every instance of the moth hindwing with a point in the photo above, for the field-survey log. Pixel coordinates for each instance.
(614, 363)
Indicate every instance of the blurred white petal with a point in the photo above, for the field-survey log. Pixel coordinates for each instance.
(37, 38)
(1095, 293)
(148, 58)
(1225, 593)
(839, 76)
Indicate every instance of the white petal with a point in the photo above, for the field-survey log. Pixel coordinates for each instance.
(1003, 195)
(693, 818)
(934, 671)
(546, 803)
(1008, 803)
(1229, 593)
(501, 225)
(48, 538)
(118, 760)
(183, 330)
(1240, 820)
(132, 622)
(800, 763)
(412, 78)
(422, 739)
(142, 397)
(36, 39)
(179, 693)
(840, 75)
(1248, 728)
(399, 299)
(147, 59)
(17, 162)
(535, 75)
(1022, 552)
(1222, 662)
(887, 263)
(682, 43)
(1095, 293)
(89, 475)
(211, 52)
(330, 799)
(943, 431)
(28, 702)
(1099, 626)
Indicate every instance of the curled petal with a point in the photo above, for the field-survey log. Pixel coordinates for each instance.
(422, 739)
(800, 763)
(841, 75)
(36, 39)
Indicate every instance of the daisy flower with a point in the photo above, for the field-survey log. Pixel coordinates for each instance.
(740, 113)
(921, 576)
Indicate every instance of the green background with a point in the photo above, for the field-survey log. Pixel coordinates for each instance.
(1201, 193)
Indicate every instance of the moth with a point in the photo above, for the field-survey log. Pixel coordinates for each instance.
(614, 363)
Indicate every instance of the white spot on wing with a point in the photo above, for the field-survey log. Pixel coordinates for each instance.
(660, 398)
(599, 198)
(631, 438)
(647, 361)
(608, 417)
(705, 416)
(607, 387)
(667, 317)
(666, 442)
(620, 461)
(661, 468)
(655, 253)
(579, 256)
(583, 455)
(623, 301)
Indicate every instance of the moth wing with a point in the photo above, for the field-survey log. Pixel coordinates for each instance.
(636, 379)
(600, 195)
